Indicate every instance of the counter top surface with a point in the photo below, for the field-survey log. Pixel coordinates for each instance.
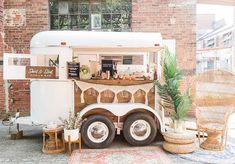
(119, 82)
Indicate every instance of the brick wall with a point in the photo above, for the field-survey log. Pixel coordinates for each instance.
(2, 98)
(1, 28)
(2, 95)
(23, 19)
(175, 20)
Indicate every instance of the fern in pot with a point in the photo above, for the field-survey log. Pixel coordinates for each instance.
(72, 126)
(169, 92)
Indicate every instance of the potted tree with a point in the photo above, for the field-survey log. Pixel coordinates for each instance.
(72, 126)
(169, 92)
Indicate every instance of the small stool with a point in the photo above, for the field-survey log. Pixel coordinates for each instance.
(79, 142)
(53, 144)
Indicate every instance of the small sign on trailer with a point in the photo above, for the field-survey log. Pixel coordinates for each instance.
(107, 65)
(73, 70)
(40, 72)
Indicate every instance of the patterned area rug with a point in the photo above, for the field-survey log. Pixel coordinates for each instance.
(136, 155)
(216, 157)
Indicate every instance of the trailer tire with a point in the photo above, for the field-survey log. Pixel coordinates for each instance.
(140, 129)
(98, 131)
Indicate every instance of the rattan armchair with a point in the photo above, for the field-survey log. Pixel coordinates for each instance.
(213, 122)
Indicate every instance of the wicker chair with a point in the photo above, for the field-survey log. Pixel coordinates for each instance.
(213, 122)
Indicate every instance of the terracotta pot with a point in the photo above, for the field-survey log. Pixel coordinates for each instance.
(72, 133)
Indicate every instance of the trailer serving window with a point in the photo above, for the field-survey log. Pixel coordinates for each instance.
(48, 61)
(124, 60)
(15, 64)
(15, 61)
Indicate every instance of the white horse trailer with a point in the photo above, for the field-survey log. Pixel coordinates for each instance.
(53, 98)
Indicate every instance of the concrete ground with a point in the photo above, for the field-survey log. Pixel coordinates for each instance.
(28, 149)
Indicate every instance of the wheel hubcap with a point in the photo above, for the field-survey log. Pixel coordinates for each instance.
(140, 130)
(97, 132)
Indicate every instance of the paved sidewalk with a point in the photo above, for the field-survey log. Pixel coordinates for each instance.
(28, 149)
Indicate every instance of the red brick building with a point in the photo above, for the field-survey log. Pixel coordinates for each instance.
(24, 18)
(2, 95)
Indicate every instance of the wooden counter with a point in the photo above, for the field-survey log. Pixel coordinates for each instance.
(119, 82)
(114, 91)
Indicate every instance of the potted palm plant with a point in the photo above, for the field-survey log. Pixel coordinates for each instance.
(169, 92)
(72, 126)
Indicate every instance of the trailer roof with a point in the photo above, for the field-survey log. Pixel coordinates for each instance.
(91, 41)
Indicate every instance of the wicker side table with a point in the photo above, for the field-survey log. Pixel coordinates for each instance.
(179, 143)
(51, 142)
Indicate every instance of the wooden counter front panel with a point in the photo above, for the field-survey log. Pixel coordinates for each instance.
(123, 97)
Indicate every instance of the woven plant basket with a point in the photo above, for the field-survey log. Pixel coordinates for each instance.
(178, 139)
(179, 148)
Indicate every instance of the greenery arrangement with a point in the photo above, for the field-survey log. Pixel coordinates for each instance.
(73, 122)
(85, 72)
(169, 92)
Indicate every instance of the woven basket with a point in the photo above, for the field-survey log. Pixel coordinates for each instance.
(124, 97)
(90, 96)
(178, 148)
(139, 96)
(107, 96)
(179, 139)
(151, 97)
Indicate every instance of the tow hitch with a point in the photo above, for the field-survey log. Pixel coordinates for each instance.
(9, 121)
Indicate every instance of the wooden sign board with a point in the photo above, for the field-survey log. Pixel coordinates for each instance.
(40, 72)
(73, 70)
(107, 65)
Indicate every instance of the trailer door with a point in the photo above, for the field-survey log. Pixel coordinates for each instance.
(14, 66)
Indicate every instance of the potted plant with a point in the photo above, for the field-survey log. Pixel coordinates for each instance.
(169, 92)
(72, 126)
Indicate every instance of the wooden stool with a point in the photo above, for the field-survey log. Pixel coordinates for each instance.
(53, 144)
(79, 142)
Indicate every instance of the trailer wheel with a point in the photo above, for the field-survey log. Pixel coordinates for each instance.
(140, 129)
(98, 131)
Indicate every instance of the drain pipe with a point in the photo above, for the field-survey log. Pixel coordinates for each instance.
(233, 47)
(6, 90)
